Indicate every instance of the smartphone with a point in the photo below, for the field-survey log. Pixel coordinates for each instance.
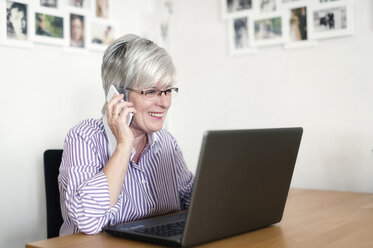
(112, 91)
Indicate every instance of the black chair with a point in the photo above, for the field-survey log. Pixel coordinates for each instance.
(52, 160)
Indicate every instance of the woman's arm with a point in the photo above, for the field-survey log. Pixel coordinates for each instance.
(115, 171)
(84, 189)
(116, 168)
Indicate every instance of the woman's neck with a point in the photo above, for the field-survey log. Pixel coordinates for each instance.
(139, 143)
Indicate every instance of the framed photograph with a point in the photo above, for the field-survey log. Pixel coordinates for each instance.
(102, 34)
(77, 27)
(101, 8)
(240, 41)
(15, 23)
(50, 27)
(49, 3)
(297, 26)
(268, 30)
(79, 4)
(236, 8)
(268, 6)
(332, 19)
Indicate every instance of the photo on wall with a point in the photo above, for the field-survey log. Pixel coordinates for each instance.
(102, 8)
(50, 27)
(77, 31)
(268, 6)
(297, 28)
(268, 30)
(330, 21)
(102, 34)
(298, 24)
(239, 36)
(80, 4)
(236, 8)
(17, 21)
(241, 33)
(15, 24)
(49, 3)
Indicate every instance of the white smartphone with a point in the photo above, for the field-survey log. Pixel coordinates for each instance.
(112, 91)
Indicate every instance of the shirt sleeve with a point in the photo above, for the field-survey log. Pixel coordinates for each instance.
(83, 186)
(185, 179)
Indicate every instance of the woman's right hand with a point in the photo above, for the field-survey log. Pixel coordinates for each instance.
(117, 113)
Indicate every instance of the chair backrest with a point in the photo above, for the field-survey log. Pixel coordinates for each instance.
(52, 160)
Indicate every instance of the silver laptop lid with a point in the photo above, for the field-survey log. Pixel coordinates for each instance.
(242, 182)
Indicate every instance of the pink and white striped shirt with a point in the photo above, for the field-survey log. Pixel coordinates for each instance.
(158, 184)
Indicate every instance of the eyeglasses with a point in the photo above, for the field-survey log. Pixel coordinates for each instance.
(153, 93)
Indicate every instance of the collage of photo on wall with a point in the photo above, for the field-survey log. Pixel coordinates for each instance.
(253, 24)
(76, 25)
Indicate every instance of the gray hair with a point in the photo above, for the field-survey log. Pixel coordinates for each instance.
(138, 63)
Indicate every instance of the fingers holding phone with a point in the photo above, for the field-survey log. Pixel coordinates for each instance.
(113, 96)
(119, 114)
(122, 111)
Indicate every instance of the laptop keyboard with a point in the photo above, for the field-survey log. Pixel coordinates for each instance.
(166, 230)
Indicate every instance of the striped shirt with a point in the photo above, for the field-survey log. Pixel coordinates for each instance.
(158, 184)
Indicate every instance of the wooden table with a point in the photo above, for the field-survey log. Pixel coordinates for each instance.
(312, 218)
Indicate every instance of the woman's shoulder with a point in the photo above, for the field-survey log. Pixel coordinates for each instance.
(88, 127)
(164, 135)
(165, 138)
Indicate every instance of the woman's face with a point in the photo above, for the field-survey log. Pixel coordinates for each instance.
(76, 29)
(151, 113)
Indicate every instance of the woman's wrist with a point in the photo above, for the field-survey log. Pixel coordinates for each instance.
(124, 147)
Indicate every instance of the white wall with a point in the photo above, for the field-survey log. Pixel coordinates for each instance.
(327, 89)
(44, 92)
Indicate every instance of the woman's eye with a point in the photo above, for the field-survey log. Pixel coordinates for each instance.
(150, 92)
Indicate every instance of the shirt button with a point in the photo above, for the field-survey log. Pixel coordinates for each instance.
(144, 181)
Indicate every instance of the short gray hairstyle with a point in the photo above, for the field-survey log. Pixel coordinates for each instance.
(138, 63)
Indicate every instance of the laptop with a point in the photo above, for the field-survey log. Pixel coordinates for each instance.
(241, 184)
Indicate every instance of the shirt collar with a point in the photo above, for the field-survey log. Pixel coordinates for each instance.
(153, 141)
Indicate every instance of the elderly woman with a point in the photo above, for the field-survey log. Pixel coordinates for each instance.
(142, 173)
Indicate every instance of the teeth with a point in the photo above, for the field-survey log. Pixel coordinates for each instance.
(156, 114)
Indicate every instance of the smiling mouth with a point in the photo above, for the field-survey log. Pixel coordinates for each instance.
(157, 115)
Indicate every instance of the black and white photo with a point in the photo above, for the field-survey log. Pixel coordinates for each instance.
(267, 5)
(236, 8)
(332, 19)
(17, 22)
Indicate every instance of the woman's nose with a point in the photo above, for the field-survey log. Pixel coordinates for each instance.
(163, 100)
